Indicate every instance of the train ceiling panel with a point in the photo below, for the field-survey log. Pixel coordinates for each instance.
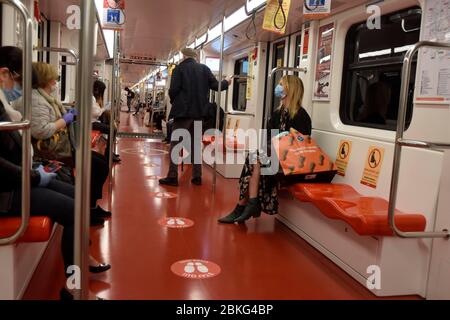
(159, 28)
(236, 38)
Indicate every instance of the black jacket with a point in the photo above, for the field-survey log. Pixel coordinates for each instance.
(10, 163)
(189, 89)
(301, 122)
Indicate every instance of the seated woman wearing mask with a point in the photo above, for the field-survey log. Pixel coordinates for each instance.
(59, 196)
(259, 193)
(49, 116)
(99, 114)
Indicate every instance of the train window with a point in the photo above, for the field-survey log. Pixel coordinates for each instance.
(372, 70)
(240, 85)
(278, 61)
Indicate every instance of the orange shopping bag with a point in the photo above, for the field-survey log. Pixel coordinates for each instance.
(300, 156)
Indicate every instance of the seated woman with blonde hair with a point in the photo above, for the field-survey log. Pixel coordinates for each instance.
(259, 192)
(49, 117)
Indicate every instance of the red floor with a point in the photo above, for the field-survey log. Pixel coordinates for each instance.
(260, 260)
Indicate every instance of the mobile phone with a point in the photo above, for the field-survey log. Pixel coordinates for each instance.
(52, 167)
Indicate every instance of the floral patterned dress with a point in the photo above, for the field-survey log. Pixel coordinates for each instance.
(268, 188)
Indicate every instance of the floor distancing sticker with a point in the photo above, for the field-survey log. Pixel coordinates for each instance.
(153, 177)
(195, 269)
(163, 195)
(145, 151)
(176, 223)
(151, 165)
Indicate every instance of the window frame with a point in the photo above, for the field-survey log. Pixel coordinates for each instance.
(352, 63)
(237, 83)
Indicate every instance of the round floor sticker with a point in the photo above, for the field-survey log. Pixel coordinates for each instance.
(164, 195)
(153, 177)
(195, 269)
(151, 165)
(176, 223)
(145, 151)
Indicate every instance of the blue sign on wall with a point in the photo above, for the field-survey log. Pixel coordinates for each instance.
(113, 16)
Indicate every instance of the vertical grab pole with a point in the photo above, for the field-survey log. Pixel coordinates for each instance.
(154, 103)
(118, 92)
(27, 57)
(112, 123)
(83, 152)
(219, 100)
(225, 119)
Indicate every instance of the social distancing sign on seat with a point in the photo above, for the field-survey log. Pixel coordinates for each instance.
(373, 165)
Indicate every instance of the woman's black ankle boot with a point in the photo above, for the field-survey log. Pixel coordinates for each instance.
(237, 212)
(253, 209)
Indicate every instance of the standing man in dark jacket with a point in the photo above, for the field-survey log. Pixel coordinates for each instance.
(189, 89)
(130, 97)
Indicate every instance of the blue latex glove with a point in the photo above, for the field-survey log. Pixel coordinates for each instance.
(68, 118)
(45, 176)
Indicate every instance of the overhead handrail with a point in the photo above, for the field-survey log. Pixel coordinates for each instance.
(400, 142)
(255, 10)
(271, 83)
(252, 22)
(203, 43)
(64, 51)
(143, 62)
(83, 149)
(27, 58)
(280, 9)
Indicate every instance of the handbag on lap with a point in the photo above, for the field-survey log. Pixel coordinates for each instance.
(301, 159)
(57, 147)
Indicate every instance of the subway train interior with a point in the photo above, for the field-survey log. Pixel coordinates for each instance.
(113, 188)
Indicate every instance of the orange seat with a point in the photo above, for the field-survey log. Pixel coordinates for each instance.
(311, 192)
(39, 228)
(369, 216)
(366, 215)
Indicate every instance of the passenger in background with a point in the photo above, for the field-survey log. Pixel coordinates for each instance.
(48, 196)
(48, 117)
(189, 89)
(259, 193)
(98, 111)
(376, 104)
(130, 97)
